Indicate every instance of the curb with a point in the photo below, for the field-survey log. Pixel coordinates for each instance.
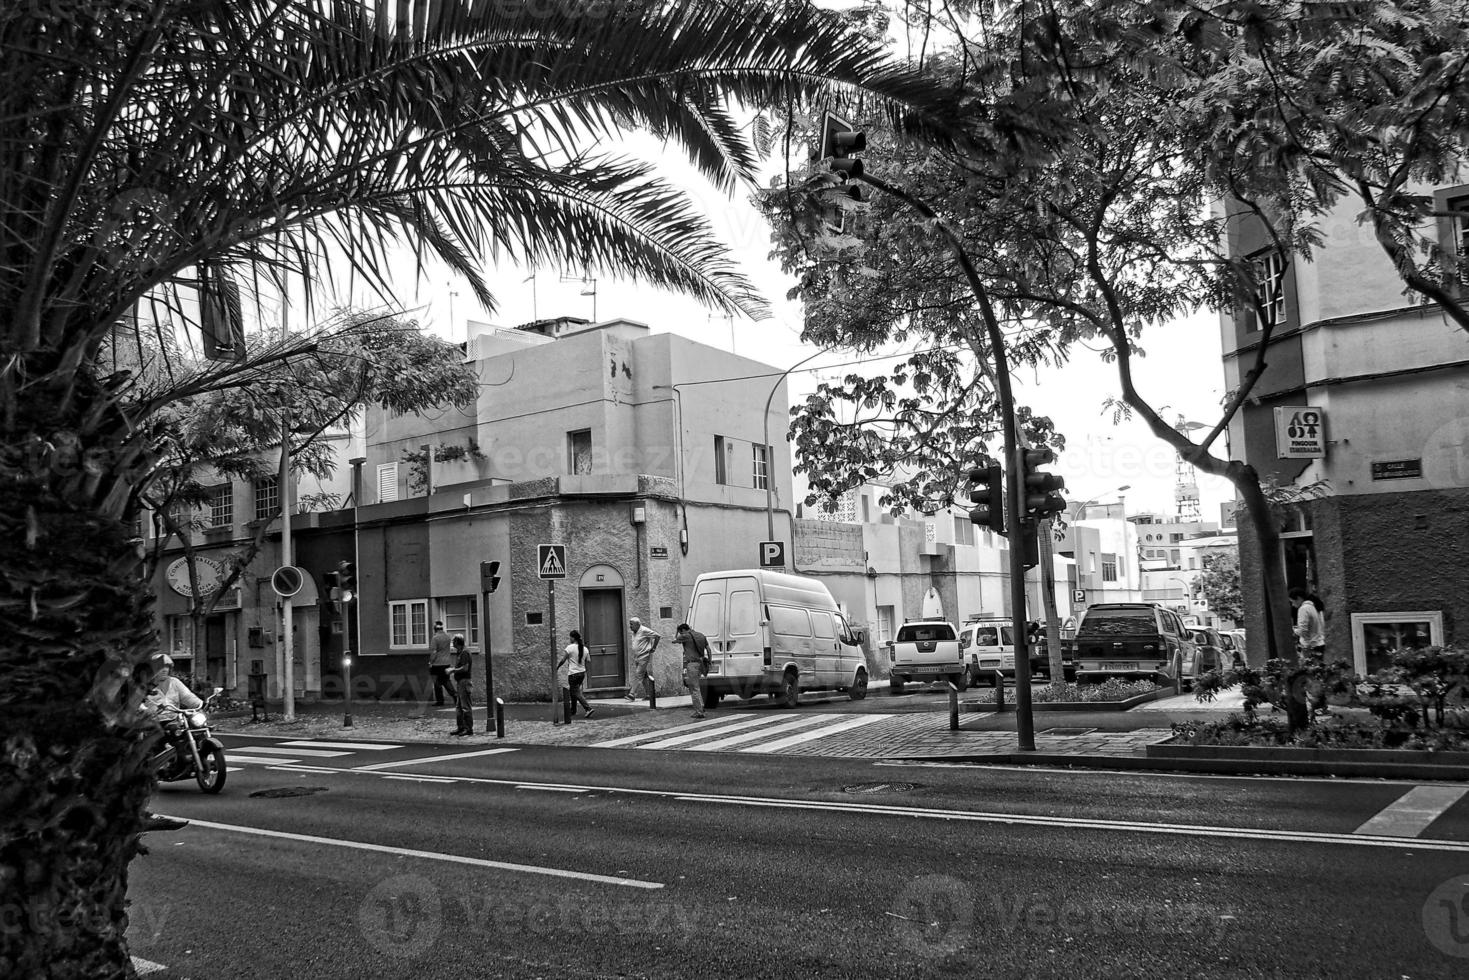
(1214, 766)
(1081, 706)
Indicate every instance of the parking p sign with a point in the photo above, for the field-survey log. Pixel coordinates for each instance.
(772, 554)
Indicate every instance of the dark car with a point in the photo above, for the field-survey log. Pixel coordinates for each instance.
(1137, 640)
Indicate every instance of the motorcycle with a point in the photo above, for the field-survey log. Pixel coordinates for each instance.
(195, 751)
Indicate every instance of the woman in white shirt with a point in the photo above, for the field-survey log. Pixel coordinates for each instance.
(573, 666)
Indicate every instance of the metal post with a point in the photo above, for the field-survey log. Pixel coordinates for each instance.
(999, 690)
(953, 707)
(347, 674)
(567, 703)
(489, 661)
(499, 718)
(288, 626)
(551, 642)
(652, 691)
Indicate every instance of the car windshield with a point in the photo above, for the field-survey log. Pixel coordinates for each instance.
(923, 632)
(1119, 622)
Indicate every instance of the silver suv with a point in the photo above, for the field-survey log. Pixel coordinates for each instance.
(925, 650)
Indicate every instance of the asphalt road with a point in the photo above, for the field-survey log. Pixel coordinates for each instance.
(567, 863)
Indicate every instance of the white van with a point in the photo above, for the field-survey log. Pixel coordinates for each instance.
(986, 646)
(777, 634)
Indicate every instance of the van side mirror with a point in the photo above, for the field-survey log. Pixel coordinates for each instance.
(857, 637)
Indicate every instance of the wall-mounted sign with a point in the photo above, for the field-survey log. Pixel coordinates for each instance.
(1078, 595)
(772, 554)
(657, 551)
(1397, 469)
(1300, 432)
(210, 572)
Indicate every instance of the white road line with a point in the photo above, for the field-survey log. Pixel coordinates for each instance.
(1410, 814)
(429, 855)
(312, 769)
(552, 789)
(789, 740)
(421, 779)
(313, 753)
(780, 729)
(668, 743)
(437, 758)
(629, 739)
(273, 760)
(145, 967)
(364, 746)
(233, 769)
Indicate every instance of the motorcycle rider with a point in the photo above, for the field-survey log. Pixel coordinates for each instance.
(164, 705)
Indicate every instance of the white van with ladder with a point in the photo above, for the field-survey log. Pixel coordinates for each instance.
(776, 634)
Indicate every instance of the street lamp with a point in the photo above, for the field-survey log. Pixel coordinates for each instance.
(1081, 507)
(1188, 591)
(769, 467)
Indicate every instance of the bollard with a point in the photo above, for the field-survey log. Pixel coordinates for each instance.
(652, 692)
(999, 690)
(568, 705)
(499, 717)
(953, 707)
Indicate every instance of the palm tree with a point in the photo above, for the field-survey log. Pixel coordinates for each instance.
(142, 141)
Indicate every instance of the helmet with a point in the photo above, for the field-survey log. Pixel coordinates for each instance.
(165, 660)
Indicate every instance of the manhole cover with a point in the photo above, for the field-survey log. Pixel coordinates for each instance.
(288, 791)
(1067, 731)
(866, 788)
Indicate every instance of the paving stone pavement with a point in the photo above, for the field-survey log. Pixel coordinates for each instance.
(929, 735)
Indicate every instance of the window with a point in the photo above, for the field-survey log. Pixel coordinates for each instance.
(721, 470)
(460, 614)
(786, 621)
(1453, 234)
(579, 452)
(744, 613)
(267, 498)
(821, 626)
(963, 530)
(1109, 568)
(1270, 278)
(885, 617)
(387, 482)
(1375, 636)
(762, 466)
(408, 624)
(222, 506)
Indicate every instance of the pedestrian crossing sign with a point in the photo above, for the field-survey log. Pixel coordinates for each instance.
(551, 560)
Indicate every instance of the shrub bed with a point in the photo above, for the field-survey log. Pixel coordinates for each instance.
(1325, 733)
(1112, 689)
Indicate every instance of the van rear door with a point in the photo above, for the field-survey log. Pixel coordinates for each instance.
(707, 617)
(744, 644)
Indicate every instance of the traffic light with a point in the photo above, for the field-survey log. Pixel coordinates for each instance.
(489, 576)
(1041, 491)
(347, 576)
(333, 585)
(839, 140)
(987, 493)
(221, 321)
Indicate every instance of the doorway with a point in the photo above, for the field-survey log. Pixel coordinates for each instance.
(214, 649)
(603, 632)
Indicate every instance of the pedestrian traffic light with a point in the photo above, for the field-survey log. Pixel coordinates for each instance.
(839, 140)
(1041, 491)
(489, 576)
(347, 576)
(987, 493)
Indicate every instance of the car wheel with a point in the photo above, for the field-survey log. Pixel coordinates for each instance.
(858, 690)
(895, 684)
(789, 695)
(971, 678)
(711, 698)
(960, 681)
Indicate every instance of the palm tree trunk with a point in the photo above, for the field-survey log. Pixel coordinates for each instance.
(76, 620)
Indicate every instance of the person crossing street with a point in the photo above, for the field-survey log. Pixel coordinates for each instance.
(695, 664)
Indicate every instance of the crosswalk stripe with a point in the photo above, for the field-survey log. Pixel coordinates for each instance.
(1410, 814)
(742, 737)
(725, 729)
(364, 746)
(145, 967)
(273, 760)
(313, 753)
(613, 743)
(797, 739)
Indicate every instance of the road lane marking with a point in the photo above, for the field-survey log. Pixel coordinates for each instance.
(790, 740)
(742, 737)
(312, 769)
(1410, 814)
(312, 753)
(552, 789)
(724, 729)
(1064, 770)
(145, 967)
(273, 759)
(429, 855)
(421, 779)
(629, 739)
(365, 746)
(437, 758)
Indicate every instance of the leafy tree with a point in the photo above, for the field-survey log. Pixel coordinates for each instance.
(144, 143)
(1219, 585)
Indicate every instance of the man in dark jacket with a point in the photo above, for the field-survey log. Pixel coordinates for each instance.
(695, 664)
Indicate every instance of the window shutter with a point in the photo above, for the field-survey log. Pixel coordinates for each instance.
(387, 482)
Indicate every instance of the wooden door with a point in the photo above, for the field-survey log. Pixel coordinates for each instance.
(604, 631)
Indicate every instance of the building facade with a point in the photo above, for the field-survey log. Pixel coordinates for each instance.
(1364, 406)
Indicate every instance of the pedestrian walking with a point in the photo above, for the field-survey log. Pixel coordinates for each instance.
(1310, 630)
(463, 687)
(695, 664)
(644, 642)
(440, 663)
(571, 670)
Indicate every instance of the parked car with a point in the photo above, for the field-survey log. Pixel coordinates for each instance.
(1208, 654)
(1241, 655)
(925, 650)
(1138, 640)
(776, 634)
(988, 645)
